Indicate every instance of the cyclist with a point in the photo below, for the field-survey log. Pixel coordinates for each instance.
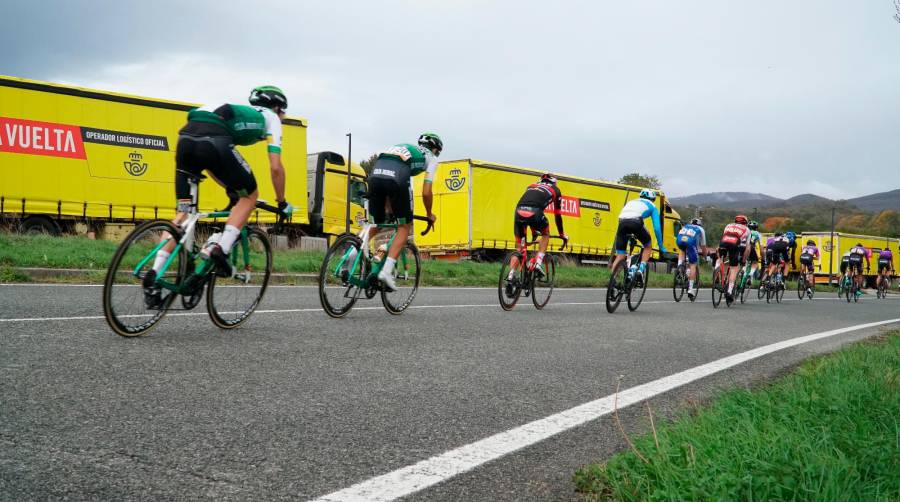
(390, 191)
(845, 262)
(777, 254)
(530, 214)
(755, 250)
(885, 264)
(734, 247)
(691, 242)
(809, 255)
(792, 247)
(208, 142)
(857, 253)
(631, 221)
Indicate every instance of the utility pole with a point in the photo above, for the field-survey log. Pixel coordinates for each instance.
(831, 261)
(349, 177)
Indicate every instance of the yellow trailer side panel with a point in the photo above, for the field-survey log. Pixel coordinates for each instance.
(74, 151)
(451, 187)
(335, 195)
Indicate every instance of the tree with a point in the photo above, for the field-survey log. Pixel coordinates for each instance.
(641, 180)
(897, 7)
(368, 163)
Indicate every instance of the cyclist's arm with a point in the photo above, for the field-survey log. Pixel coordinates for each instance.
(657, 227)
(276, 168)
(557, 203)
(427, 195)
(273, 147)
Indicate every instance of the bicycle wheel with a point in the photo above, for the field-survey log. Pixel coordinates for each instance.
(679, 285)
(739, 286)
(616, 287)
(635, 295)
(123, 296)
(850, 290)
(508, 301)
(717, 289)
(336, 293)
(761, 289)
(697, 286)
(801, 287)
(406, 277)
(779, 291)
(231, 300)
(855, 292)
(542, 288)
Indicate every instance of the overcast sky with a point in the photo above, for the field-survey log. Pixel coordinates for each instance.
(779, 97)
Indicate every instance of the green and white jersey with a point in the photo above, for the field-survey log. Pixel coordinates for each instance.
(418, 158)
(754, 237)
(246, 124)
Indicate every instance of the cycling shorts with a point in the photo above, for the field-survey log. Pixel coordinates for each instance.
(530, 217)
(732, 252)
(217, 155)
(845, 262)
(856, 262)
(690, 251)
(806, 262)
(383, 190)
(754, 257)
(779, 252)
(883, 265)
(632, 226)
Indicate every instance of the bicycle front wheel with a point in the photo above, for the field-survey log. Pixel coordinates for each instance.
(761, 290)
(779, 291)
(231, 300)
(510, 296)
(616, 287)
(406, 277)
(128, 312)
(342, 264)
(542, 287)
(679, 285)
(801, 287)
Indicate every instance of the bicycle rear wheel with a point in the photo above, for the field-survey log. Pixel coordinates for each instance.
(761, 290)
(779, 291)
(231, 300)
(739, 286)
(124, 304)
(508, 301)
(679, 285)
(635, 294)
(718, 289)
(542, 287)
(616, 287)
(336, 293)
(406, 277)
(801, 287)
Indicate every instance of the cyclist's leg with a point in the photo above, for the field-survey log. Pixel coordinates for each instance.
(643, 236)
(231, 170)
(542, 227)
(620, 244)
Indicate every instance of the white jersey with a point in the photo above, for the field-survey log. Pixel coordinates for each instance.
(273, 129)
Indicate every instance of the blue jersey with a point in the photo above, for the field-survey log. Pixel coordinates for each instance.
(691, 236)
(640, 209)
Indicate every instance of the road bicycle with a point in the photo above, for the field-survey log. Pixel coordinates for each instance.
(625, 281)
(681, 282)
(229, 300)
(775, 287)
(804, 287)
(350, 269)
(526, 280)
(884, 285)
(742, 282)
(848, 286)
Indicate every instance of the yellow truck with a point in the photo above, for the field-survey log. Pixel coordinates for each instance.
(475, 199)
(76, 158)
(830, 256)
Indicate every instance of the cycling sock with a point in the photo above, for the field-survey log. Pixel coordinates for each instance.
(680, 262)
(389, 265)
(230, 235)
(539, 259)
(730, 288)
(643, 267)
(691, 285)
(161, 257)
(509, 277)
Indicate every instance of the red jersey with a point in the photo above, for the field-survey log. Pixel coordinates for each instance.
(736, 235)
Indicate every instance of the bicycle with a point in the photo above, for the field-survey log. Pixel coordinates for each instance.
(229, 300)
(525, 280)
(740, 288)
(681, 282)
(850, 286)
(804, 287)
(884, 285)
(349, 269)
(622, 281)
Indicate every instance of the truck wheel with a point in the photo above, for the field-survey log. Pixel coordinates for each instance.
(39, 225)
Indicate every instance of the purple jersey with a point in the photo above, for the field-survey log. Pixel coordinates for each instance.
(885, 254)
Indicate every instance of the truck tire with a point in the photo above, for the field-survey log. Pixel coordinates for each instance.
(39, 225)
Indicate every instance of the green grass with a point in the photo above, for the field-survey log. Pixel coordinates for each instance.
(828, 431)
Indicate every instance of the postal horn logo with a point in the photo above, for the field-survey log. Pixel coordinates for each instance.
(134, 166)
(596, 219)
(455, 182)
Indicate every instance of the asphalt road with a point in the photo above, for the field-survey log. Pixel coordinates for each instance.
(296, 405)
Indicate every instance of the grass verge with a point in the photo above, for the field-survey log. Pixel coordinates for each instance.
(828, 431)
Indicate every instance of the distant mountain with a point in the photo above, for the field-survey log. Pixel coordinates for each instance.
(805, 200)
(726, 199)
(878, 201)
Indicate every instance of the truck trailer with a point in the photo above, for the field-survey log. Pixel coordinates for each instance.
(76, 160)
(474, 201)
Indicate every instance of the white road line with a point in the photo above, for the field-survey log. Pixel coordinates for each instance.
(434, 470)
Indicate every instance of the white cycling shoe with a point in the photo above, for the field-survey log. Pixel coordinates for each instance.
(387, 280)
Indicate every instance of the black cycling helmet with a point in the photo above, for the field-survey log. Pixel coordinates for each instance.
(810, 242)
(268, 96)
(778, 233)
(753, 225)
(697, 221)
(548, 179)
(432, 142)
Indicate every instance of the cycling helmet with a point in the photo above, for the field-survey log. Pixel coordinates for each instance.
(432, 142)
(753, 225)
(268, 96)
(548, 179)
(810, 242)
(778, 233)
(697, 221)
(648, 194)
(790, 235)
(740, 219)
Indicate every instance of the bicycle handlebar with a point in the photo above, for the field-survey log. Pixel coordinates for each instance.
(532, 243)
(430, 226)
